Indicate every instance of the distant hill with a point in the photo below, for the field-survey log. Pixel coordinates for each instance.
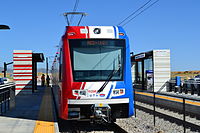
(41, 70)
(8, 70)
(185, 74)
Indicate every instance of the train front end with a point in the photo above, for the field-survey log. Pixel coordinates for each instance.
(96, 74)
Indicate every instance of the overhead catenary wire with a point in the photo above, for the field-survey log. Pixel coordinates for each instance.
(74, 10)
(135, 12)
(140, 12)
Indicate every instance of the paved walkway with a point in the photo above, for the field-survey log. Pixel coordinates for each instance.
(33, 113)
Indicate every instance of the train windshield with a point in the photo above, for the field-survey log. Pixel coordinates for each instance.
(97, 59)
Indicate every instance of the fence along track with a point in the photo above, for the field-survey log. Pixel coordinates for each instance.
(189, 125)
(164, 115)
(7, 85)
(7, 95)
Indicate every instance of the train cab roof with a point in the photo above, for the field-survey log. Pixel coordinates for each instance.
(83, 32)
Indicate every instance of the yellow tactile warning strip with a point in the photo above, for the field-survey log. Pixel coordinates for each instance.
(168, 98)
(45, 122)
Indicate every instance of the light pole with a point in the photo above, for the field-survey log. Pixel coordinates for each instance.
(4, 27)
(5, 67)
(47, 63)
(47, 66)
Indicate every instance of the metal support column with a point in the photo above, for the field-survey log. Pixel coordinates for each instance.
(154, 109)
(184, 125)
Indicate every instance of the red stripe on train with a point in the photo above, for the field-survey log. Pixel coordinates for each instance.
(88, 34)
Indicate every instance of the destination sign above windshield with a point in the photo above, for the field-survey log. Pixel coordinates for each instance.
(97, 42)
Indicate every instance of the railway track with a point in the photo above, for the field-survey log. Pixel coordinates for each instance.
(171, 115)
(85, 127)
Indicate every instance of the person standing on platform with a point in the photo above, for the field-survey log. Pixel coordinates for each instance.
(48, 80)
(43, 79)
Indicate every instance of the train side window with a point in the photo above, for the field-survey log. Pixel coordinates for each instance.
(60, 64)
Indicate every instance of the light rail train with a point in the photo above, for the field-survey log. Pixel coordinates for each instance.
(92, 74)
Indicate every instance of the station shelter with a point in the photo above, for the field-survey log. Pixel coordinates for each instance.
(151, 70)
(25, 70)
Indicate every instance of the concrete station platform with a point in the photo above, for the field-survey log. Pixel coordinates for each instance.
(33, 113)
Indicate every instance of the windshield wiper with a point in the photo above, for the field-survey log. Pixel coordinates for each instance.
(110, 77)
(106, 82)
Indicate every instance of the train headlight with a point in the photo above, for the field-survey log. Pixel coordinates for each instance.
(121, 34)
(79, 92)
(71, 34)
(97, 31)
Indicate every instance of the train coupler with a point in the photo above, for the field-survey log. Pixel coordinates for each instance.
(101, 113)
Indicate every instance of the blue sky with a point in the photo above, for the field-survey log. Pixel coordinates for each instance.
(170, 24)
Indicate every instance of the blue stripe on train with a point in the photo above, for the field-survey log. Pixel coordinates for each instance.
(127, 72)
(109, 92)
(115, 30)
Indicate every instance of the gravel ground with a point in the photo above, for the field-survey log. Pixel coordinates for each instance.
(143, 123)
